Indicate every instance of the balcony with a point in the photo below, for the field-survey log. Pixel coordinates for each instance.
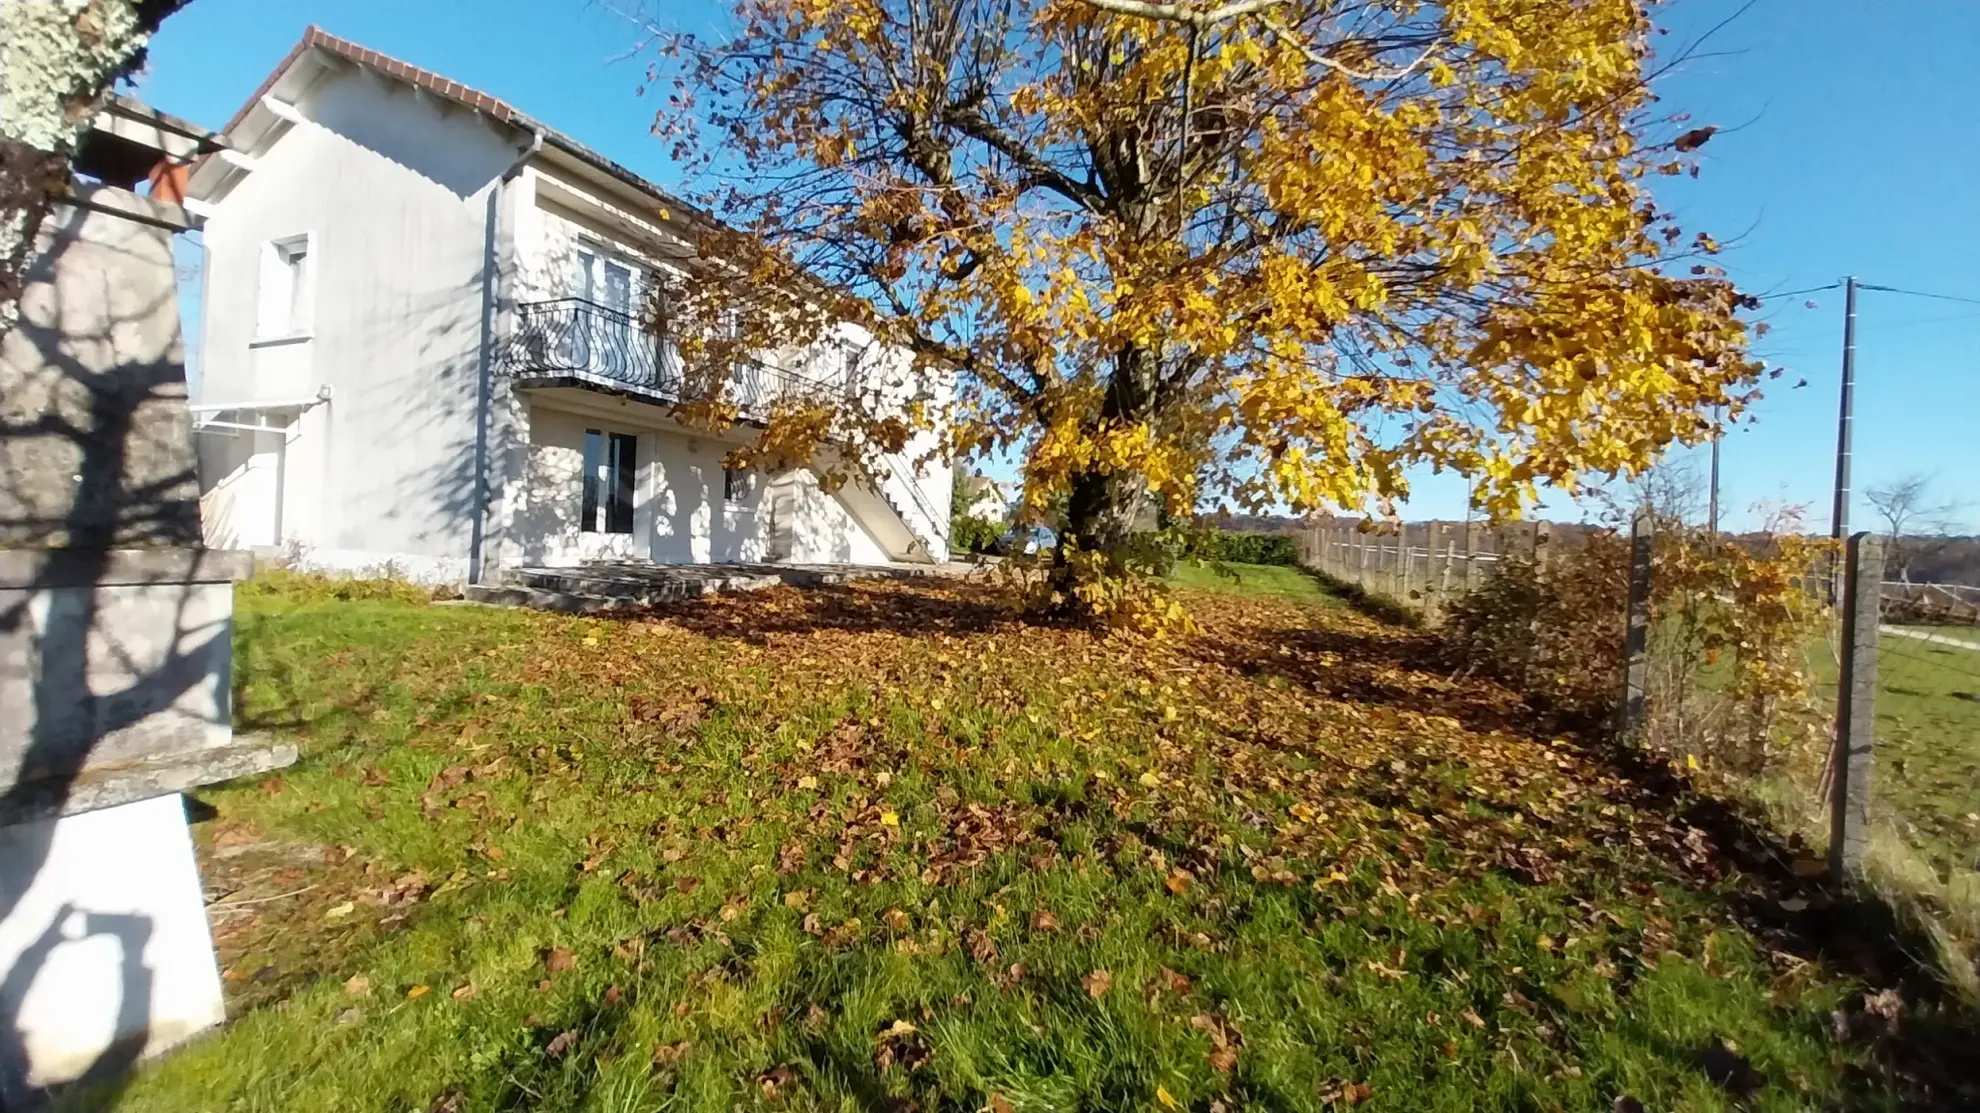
(575, 342)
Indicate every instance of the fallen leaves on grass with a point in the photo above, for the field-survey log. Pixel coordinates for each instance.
(773, 1083)
(1097, 984)
(1326, 757)
(1346, 1093)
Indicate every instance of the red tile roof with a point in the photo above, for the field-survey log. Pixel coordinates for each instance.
(315, 36)
(499, 110)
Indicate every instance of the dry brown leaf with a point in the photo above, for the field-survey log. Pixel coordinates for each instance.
(1097, 984)
(357, 985)
(558, 959)
(1042, 920)
(464, 992)
(561, 1043)
(772, 1083)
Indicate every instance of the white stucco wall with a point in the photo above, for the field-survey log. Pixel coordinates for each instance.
(394, 191)
(823, 531)
(681, 516)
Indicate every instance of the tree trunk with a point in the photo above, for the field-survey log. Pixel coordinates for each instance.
(1102, 505)
(1100, 514)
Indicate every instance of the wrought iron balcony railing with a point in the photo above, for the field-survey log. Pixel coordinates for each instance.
(588, 341)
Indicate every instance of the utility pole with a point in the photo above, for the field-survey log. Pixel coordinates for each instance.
(1839, 512)
(1712, 514)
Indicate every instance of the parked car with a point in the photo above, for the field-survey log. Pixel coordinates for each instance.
(1025, 540)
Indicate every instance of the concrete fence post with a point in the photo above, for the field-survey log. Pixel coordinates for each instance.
(1856, 707)
(1636, 630)
(1399, 582)
(1471, 577)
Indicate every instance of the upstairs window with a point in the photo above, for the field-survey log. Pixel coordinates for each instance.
(736, 485)
(611, 466)
(288, 278)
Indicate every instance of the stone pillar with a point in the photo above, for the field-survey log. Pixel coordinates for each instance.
(115, 645)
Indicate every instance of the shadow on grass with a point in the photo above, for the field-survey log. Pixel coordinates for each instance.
(1926, 1052)
(1374, 604)
(759, 616)
(1398, 668)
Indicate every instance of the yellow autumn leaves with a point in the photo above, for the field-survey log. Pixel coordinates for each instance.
(1280, 260)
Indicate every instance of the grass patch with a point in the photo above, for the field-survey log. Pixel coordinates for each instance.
(889, 847)
(1247, 579)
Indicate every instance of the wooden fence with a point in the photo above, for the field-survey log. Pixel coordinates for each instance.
(1422, 564)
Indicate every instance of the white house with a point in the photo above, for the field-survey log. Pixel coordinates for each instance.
(987, 498)
(420, 344)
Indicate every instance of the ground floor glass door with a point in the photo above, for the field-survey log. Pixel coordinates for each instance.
(609, 496)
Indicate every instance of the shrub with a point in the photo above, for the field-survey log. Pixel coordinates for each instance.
(300, 586)
(1231, 547)
(1728, 690)
(971, 534)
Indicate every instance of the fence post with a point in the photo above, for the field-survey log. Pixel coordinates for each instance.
(1402, 591)
(1450, 557)
(1361, 566)
(1471, 578)
(1543, 536)
(1399, 571)
(1856, 707)
(1636, 631)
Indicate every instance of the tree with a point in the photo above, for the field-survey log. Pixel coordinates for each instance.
(1270, 252)
(60, 57)
(1908, 510)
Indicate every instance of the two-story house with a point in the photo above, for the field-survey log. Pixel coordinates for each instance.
(422, 344)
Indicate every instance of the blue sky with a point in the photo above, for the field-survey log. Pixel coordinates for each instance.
(1850, 144)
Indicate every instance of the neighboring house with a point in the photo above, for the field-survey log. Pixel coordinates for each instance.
(987, 498)
(422, 344)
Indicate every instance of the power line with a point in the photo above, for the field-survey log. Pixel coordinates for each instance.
(1918, 293)
(1810, 290)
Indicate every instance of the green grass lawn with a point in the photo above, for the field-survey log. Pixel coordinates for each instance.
(1927, 773)
(892, 848)
(1247, 579)
(1928, 739)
